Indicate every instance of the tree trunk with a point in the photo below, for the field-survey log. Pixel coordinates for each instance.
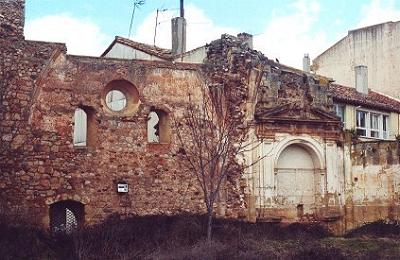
(209, 224)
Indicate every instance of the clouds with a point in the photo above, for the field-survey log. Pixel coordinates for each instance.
(378, 11)
(200, 28)
(288, 36)
(82, 36)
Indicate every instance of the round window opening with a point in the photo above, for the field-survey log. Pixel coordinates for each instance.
(116, 100)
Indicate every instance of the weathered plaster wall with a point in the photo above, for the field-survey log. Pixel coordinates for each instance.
(326, 188)
(373, 183)
(376, 47)
(194, 56)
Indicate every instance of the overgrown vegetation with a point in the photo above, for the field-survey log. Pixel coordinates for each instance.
(183, 237)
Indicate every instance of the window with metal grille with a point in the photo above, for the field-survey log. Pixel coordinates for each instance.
(66, 216)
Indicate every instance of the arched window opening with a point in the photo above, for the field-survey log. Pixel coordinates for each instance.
(85, 127)
(80, 127)
(153, 128)
(295, 177)
(158, 129)
(66, 216)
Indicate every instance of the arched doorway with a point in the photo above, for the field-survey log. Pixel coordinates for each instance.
(295, 178)
(66, 216)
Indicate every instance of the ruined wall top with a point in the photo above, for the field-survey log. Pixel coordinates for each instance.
(12, 18)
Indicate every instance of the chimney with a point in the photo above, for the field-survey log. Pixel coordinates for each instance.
(361, 78)
(179, 32)
(246, 38)
(306, 63)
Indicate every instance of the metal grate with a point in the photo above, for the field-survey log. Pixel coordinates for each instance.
(66, 216)
(70, 221)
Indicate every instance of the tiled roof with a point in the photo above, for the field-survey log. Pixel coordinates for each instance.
(372, 100)
(165, 54)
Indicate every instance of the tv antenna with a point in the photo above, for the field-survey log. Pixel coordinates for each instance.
(136, 4)
(155, 27)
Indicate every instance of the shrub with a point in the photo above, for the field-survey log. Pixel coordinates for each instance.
(381, 228)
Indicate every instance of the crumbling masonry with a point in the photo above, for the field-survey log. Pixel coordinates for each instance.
(335, 180)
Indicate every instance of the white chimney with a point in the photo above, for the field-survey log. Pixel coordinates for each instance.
(178, 29)
(306, 63)
(361, 78)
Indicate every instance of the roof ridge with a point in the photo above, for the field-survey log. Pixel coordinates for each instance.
(159, 52)
(372, 99)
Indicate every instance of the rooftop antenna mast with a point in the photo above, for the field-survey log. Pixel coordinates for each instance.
(136, 4)
(155, 27)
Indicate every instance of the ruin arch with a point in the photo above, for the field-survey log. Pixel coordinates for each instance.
(66, 215)
(312, 146)
(299, 179)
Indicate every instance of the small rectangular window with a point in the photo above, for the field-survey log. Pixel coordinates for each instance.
(374, 124)
(362, 123)
(385, 130)
(80, 127)
(339, 109)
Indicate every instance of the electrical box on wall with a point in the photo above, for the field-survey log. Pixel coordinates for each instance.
(122, 187)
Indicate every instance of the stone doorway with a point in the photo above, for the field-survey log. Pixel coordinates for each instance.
(66, 216)
(295, 177)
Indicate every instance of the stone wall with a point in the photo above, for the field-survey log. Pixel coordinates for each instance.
(158, 184)
(12, 18)
(42, 87)
(21, 63)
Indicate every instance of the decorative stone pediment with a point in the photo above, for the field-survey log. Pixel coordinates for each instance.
(295, 111)
(286, 95)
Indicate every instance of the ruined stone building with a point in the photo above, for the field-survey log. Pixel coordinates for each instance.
(372, 50)
(86, 137)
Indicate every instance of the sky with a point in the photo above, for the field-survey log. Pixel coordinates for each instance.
(283, 29)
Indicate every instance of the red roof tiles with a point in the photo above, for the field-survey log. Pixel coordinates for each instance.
(165, 54)
(372, 100)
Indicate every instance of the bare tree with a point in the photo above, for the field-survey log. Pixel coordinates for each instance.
(211, 141)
